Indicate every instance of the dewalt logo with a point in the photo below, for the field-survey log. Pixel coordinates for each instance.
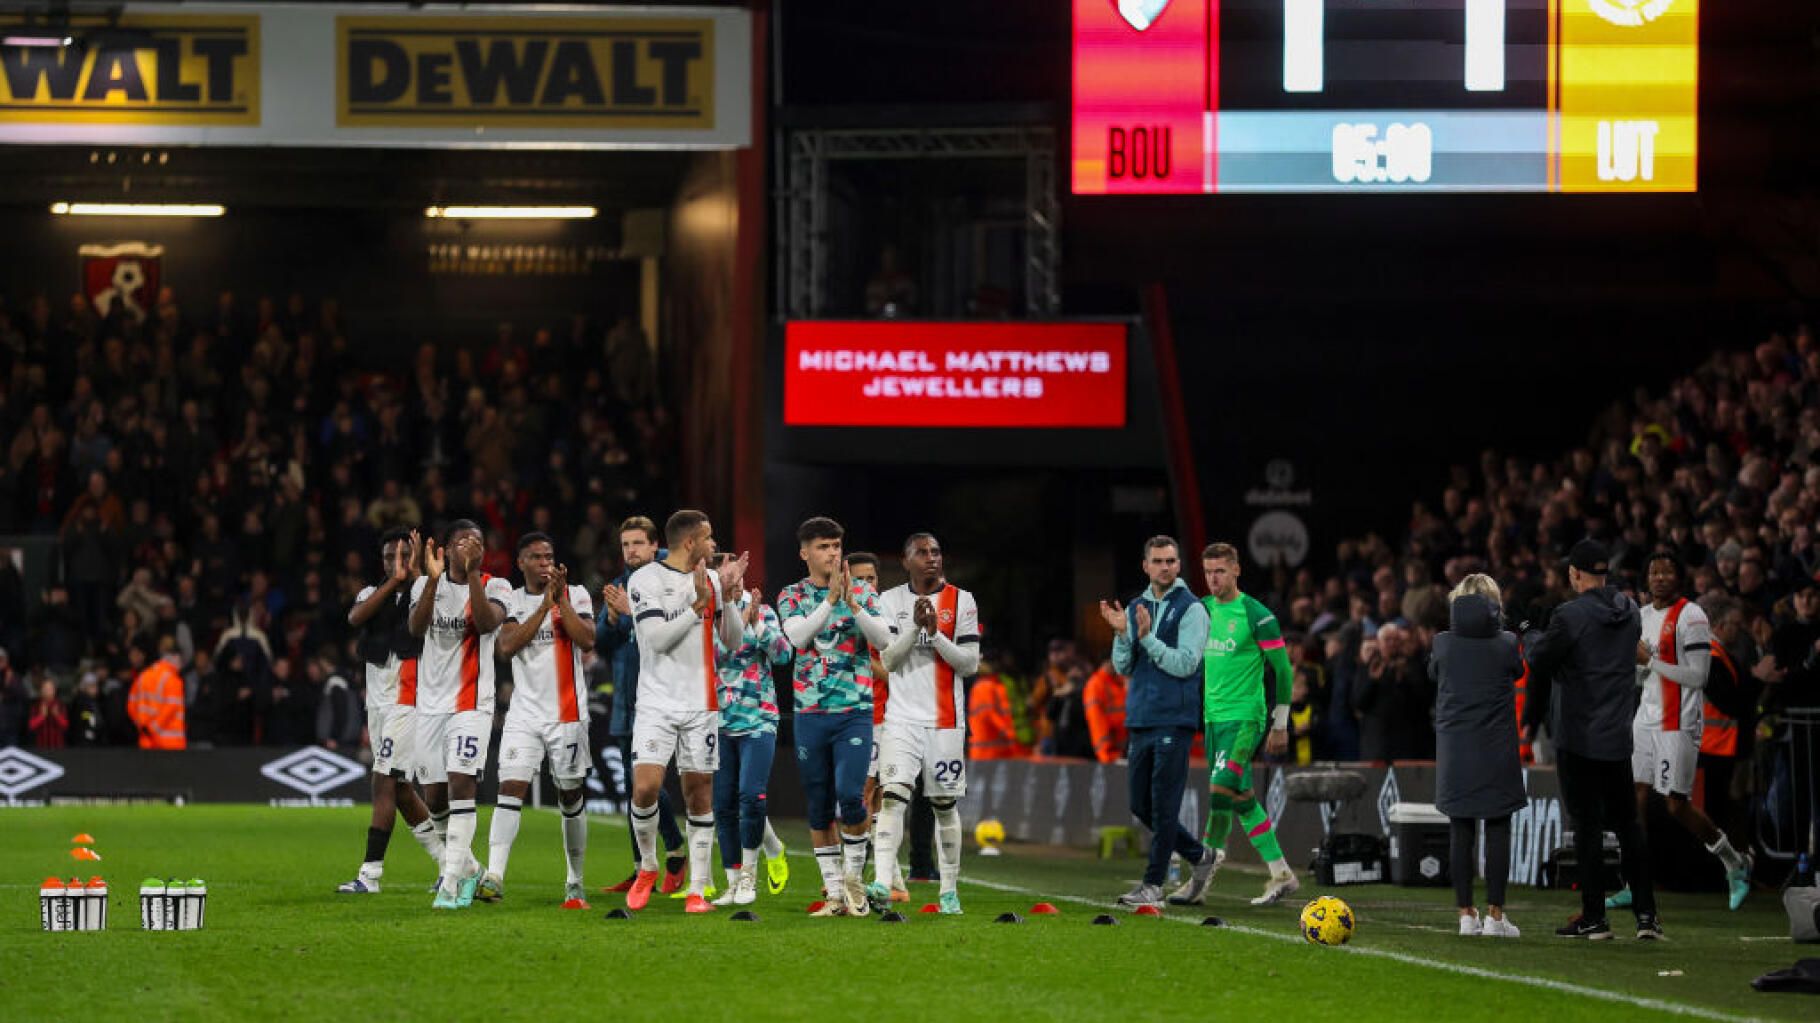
(147, 70)
(592, 73)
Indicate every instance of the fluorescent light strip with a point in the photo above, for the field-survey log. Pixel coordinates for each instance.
(511, 212)
(137, 209)
(45, 39)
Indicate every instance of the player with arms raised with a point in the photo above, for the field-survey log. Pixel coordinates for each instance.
(382, 614)
(925, 731)
(549, 625)
(456, 609)
(1242, 637)
(679, 614)
(830, 621)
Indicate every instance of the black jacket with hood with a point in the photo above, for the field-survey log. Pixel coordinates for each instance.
(1583, 674)
(1478, 766)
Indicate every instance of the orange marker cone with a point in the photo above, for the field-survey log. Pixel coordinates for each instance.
(83, 839)
(83, 853)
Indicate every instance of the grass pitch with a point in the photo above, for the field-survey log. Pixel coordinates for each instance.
(281, 944)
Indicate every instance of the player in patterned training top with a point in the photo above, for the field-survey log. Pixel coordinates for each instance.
(681, 620)
(458, 618)
(925, 732)
(1242, 636)
(1672, 661)
(549, 626)
(748, 742)
(382, 613)
(830, 621)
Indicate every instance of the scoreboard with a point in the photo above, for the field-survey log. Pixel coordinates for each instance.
(1205, 96)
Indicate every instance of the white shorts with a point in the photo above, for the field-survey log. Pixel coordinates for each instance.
(1665, 761)
(939, 755)
(452, 744)
(692, 737)
(393, 733)
(523, 747)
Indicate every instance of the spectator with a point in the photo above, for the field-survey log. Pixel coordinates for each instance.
(88, 722)
(1069, 734)
(1394, 698)
(15, 703)
(156, 704)
(1104, 699)
(141, 598)
(990, 733)
(50, 720)
(339, 714)
(1043, 685)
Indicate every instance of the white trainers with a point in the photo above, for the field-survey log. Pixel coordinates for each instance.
(745, 890)
(1279, 886)
(1193, 892)
(855, 894)
(1500, 928)
(1470, 926)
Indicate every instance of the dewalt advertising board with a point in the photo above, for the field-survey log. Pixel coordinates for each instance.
(434, 75)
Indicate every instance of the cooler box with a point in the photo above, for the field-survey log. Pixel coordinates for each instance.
(1418, 846)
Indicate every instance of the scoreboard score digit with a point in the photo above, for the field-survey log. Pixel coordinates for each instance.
(1205, 96)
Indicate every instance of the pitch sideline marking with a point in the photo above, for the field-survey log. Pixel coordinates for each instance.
(1545, 983)
(1564, 987)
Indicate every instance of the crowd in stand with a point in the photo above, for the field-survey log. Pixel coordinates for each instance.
(216, 479)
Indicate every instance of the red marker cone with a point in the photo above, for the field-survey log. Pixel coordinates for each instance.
(1044, 909)
(1149, 911)
(930, 908)
(816, 906)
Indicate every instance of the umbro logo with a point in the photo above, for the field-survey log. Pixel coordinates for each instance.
(21, 772)
(313, 771)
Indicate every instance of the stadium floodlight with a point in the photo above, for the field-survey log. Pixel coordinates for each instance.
(137, 209)
(511, 212)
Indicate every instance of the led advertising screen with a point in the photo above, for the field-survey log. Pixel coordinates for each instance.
(1205, 96)
(926, 374)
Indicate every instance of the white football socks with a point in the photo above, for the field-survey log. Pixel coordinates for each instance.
(427, 836)
(504, 831)
(948, 847)
(701, 852)
(1727, 855)
(889, 836)
(827, 857)
(853, 854)
(575, 840)
(772, 845)
(458, 851)
(644, 829)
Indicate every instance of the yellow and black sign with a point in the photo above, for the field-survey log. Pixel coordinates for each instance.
(152, 70)
(587, 73)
